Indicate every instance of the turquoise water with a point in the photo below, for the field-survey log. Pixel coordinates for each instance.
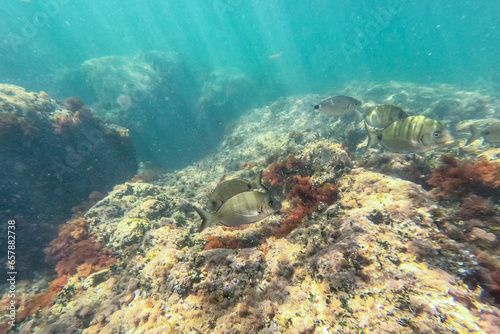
(320, 43)
(233, 55)
(178, 74)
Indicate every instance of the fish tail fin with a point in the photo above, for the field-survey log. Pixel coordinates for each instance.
(257, 183)
(372, 137)
(206, 218)
(475, 135)
(359, 116)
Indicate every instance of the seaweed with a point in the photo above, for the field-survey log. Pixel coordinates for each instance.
(457, 179)
(280, 175)
(474, 206)
(229, 242)
(74, 247)
(304, 198)
(495, 290)
(74, 103)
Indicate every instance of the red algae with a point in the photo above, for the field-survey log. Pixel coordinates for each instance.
(474, 206)
(291, 177)
(74, 103)
(305, 199)
(458, 178)
(30, 304)
(228, 242)
(280, 174)
(85, 252)
(74, 251)
(495, 291)
(74, 247)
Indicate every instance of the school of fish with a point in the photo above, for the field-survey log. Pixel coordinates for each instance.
(391, 127)
(238, 201)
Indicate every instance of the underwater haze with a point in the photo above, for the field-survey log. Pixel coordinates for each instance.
(316, 44)
(232, 55)
(231, 166)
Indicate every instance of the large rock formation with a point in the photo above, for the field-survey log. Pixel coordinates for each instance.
(174, 114)
(52, 158)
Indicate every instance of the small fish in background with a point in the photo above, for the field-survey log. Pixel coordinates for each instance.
(228, 188)
(491, 134)
(382, 115)
(413, 134)
(276, 55)
(243, 208)
(338, 105)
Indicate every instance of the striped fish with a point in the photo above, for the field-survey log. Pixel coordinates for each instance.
(413, 134)
(382, 115)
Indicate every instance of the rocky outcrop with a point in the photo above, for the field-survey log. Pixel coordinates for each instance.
(53, 156)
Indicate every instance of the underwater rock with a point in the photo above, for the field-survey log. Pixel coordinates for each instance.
(51, 160)
(409, 167)
(124, 217)
(374, 252)
(154, 96)
(225, 94)
(139, 78)
(160, 100)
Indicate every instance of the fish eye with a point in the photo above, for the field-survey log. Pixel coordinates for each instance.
(437, 134)
(316, 106)
(271, 203)
(401, 114)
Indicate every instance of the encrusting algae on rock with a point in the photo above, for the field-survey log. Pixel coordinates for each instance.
(353, 250)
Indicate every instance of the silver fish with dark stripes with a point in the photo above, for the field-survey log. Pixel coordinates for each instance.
(413, 134)
(382, 115)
